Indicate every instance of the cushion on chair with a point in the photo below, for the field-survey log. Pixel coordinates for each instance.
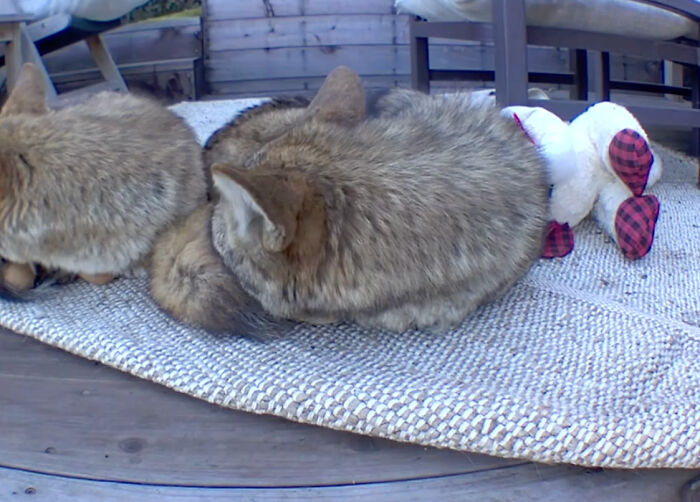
(95, 10)
(620, 17)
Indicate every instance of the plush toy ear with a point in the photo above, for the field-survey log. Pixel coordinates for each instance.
(276, 198)
(341, 98)
(28, 95)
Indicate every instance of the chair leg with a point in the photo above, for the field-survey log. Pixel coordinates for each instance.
(510, 46)
(420, 63)
(105, 63)
(604, 82)
(693, 73)
(579, 63)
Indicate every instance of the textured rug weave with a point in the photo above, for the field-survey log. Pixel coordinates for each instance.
(590, 359)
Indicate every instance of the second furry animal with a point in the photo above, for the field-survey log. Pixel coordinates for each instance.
(88, 188)
(412, 219)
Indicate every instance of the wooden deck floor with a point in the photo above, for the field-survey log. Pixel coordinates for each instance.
(71, 429)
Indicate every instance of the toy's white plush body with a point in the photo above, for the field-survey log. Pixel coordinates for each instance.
(580, 170)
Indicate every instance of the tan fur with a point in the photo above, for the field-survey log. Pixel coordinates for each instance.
(17, 276)
(87, 189)
(238, 140)
(412, 219)
(28, 96)
(430, 210)
(190, 281)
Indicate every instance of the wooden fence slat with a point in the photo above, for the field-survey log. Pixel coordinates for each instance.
(260, 64)
(145, 42)
(297, 31)
(304, 62)
(241, 9)
(295, 86)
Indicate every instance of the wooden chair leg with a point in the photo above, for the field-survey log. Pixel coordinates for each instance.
(510, 46)
(13, 54)
(604, 82)
(693, 73)
(579, 64)
(105, 63)
(420, 63)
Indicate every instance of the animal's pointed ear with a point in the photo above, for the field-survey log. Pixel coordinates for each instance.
(276, 198)
(340, 99)
(29, 93)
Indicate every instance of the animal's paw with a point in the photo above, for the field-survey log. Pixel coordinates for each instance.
(631, 158)
(559, 241)
(635, 223)
(99, 279)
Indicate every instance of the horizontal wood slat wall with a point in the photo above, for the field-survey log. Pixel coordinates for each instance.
(155, 56)
(270, 47)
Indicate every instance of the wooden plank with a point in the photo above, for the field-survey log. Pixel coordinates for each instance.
(305, 62)
(159, 24)
(13, 54)
(308, 86)
(242, 9)
(171, 447)
(24, 357)
(171, 80)
(635, 69)
(309, 31)
(144, 42)
(130, 429)
(296, 86)
(302, 62)
(103, 60)
(511, 484)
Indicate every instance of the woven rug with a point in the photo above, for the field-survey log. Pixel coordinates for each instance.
(590, 359)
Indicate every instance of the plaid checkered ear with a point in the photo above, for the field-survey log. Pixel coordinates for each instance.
(631, 159)
(559, 241)
(635, 223)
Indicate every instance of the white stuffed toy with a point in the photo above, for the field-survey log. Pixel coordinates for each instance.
(600, 164)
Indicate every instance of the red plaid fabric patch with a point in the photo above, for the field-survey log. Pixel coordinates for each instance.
(631, 159)
(559, 241)
(635, 223)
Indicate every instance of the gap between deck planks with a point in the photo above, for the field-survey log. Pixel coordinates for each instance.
(510, 484)
(63, 418)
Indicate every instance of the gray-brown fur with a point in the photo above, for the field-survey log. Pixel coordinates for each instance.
(190, 281)
(188, 278)
(87, 189)
(238, 140)
(413, 219)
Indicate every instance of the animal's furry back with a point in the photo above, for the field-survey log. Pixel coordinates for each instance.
(430, 210)
(89, 187)
(411, 219)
